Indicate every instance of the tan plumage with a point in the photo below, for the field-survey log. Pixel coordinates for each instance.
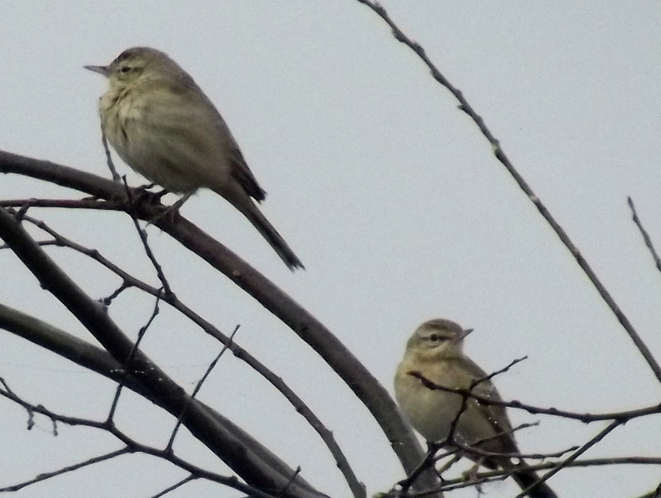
(164, 127)
(435, 352)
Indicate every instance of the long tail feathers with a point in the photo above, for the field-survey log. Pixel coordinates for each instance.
(272, 236)
(527, 478)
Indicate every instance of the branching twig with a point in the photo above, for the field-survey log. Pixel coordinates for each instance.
(561, 465)
(583, 417)
(131, 446)
(129, 280)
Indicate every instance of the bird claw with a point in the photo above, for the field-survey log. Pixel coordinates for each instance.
(145, 195)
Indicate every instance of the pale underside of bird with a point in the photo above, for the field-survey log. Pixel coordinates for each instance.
(164, 127)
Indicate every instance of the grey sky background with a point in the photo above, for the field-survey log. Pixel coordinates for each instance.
(391, 198)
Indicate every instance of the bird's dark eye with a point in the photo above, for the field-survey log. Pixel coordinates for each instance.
(434, 337)
(125, 69)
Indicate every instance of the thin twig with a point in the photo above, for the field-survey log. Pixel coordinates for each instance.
(561, 465)
(198, 387)
(583, 417)
(175, 486)
(497, 372)
(47, 475)
(127, 363)
(143, 238)
(643, 232)
(111, 165)
(358, 489)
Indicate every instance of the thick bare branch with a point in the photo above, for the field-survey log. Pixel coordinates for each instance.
(242, 455)
(130, 281)
(339, 358)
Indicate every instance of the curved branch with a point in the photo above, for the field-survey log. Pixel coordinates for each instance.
(313, 332)
(98, 360)
(240, 452)
(130, 281)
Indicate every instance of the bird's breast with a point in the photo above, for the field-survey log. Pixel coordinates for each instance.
(429, 411)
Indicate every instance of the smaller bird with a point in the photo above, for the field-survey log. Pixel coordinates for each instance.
(164, 127)
(435, 351)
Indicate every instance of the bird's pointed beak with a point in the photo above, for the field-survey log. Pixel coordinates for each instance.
(464, 333)
(99, 69)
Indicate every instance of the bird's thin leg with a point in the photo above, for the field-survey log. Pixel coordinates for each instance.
(171, 212)
(180, 202)
(471, 474)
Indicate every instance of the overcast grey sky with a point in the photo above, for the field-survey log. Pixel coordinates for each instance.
(391, 198)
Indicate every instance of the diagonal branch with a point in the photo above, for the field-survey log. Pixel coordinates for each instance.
(238, 451)
(643, 232)
(64, 470)
(130, 281)
(313, 332)
(523, 185)
(96, 359)
(131, 446)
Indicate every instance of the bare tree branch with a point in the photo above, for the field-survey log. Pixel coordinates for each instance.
(129, 281)
(583, 417)
(98, 360)
(131, 446)
(313, 332)
(240, 457)
(558, 467)
(523, 185)
(64, 470)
